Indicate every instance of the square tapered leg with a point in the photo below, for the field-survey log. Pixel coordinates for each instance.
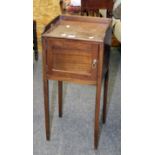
(60, 97)
(105, 96)
(97, 111)
(46, 107)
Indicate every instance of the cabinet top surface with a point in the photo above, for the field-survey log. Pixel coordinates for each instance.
(78, 28)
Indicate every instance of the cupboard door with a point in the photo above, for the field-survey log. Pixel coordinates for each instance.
(72, 59)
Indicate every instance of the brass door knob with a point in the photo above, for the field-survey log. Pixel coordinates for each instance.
(94, 64)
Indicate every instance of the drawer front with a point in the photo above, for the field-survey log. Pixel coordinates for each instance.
(72, 59)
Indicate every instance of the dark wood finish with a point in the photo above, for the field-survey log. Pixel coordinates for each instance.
(46, 103)
(106, 79)
(91, 7)
(98, 95)
(95, 4)
(46, 93)
(80, 59)
(105, 96)
(65, 58)
(60, 97)
(35, 42)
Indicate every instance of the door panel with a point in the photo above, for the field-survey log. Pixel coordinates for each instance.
(72, 59)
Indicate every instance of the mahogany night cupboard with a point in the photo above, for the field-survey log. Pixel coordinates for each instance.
(76, 49)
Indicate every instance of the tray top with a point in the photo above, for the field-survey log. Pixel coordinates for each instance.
(78, 28)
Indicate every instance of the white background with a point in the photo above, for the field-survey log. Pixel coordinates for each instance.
(138, 76)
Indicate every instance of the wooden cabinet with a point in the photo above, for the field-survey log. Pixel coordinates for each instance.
(75, 50)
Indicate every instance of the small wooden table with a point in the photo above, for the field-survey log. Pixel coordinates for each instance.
(76, 49)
